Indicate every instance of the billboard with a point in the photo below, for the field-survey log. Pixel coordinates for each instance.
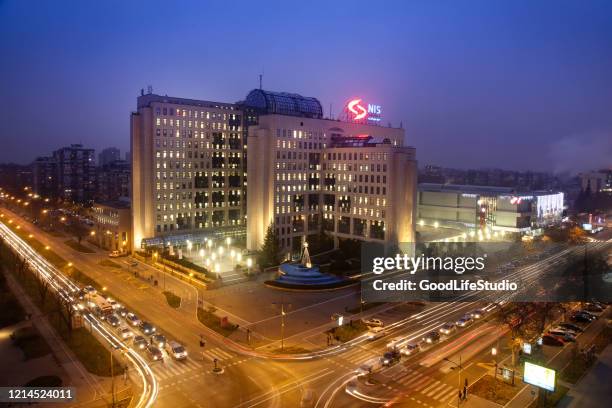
(539, 376)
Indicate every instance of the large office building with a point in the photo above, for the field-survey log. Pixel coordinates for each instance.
(350, 178)
(353, 180)
(187, 168)
(466, 207)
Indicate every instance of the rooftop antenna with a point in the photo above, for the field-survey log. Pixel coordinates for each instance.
(141, 91)
(149, 89)
(330, 111)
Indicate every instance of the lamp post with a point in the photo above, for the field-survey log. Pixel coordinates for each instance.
(249, 263)
(459, 381)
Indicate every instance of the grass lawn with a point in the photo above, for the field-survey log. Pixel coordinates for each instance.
(172, 299)
(109, 263)
(79, 247)
(291, 350)
(87, 348)
(212, 321)
(494, 390)
(29, 340)
(11, 311)
(348, 331)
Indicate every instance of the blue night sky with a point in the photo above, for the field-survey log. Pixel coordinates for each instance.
(509, 84)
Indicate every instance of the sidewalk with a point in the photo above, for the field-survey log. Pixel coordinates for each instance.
(594, 388)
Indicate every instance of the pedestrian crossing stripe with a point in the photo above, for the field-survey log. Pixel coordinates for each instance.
(216, 353)
(439, 386)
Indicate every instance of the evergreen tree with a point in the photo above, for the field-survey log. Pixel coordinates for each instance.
(269, 252)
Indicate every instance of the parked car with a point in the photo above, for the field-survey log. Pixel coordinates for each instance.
(594, 308)
(375, 333)
(448, 328)
(391, 357)
(431, 337)
(410, 349)
(90, 290)
(132, 319)
(373, 322)
(591, 314)
(125, 332)
(566, 336)
(113, 320)
(155, 354)
(158, 340)
(139, 342)
(176, 350)
(465, 321)
(581, 318)
(114, 254)
(551, 340)
(564, 330)
(147, 328)
(571, 326)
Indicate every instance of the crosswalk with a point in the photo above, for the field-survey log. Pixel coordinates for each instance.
(171, 368)
(426, 385)
(358, 355)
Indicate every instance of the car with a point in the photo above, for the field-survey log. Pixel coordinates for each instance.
(154, 353)
(121, 311)
(309, 399)
(448, 328)
(158, 340)
(113, 320)
(114, 254)
(390, 358)
(564, 330)
(139, 342)
(375, 333)
(566, 336)
(410, 349)
(369, 366)
(90, 290)
(125, 332)
(594, 308)
(373, 322)
(132, 319)
(113, 302)
(147, 328)
(571, 326)
(431, 337)
(581, 318)
(478, 313)
(396, 343)
(176, 350)
(551, 340)
(465, 321)
(591, 314)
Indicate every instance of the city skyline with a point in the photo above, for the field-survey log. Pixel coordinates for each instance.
(530, 94)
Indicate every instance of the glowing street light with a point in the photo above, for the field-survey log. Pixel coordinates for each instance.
(249, 263)
(228, 241)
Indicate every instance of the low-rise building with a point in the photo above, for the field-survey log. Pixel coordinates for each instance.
(112, 224)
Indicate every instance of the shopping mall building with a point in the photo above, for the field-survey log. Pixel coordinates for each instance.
(502, 209)
(194, 178)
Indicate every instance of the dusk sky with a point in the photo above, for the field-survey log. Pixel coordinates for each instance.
(514, 84)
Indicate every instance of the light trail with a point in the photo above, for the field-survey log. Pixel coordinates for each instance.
(65, 288)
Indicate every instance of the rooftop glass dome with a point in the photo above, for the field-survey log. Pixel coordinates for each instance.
(284, 103)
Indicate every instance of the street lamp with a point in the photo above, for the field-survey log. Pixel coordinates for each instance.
(228, 241)
(459, 381)
(189, 246)
(202, 253)
(249, 263)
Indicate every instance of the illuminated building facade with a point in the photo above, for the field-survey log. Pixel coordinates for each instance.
(351, 180)
(467, 207)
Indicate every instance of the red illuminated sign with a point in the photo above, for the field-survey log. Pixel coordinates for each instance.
(358, 112)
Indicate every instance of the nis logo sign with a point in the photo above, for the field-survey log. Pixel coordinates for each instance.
(360, 112)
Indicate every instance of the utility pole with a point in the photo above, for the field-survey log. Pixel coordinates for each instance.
(112, 377)
(283, 313)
